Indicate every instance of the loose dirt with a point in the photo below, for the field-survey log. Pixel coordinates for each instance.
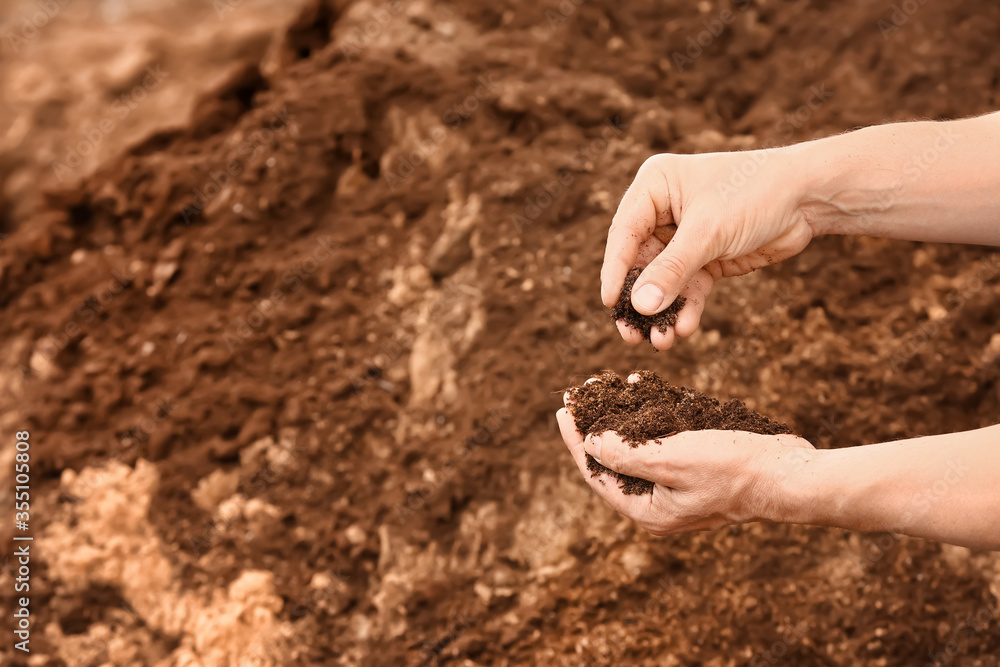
(649, 410)
(304, 325)
(623, 310)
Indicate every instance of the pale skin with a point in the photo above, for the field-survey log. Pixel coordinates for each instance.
(691, 220)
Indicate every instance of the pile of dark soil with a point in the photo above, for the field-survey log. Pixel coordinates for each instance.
(650, 409)
(303, 305)
(624, 310)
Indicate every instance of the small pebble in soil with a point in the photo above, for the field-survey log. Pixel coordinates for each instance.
(649, 410)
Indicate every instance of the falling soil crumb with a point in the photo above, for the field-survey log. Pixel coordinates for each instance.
(653, 409)
(624, 310)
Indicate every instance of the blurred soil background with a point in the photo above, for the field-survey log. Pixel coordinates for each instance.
(290, 291)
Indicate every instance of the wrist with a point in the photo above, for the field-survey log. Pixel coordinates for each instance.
(839, 186)
(795, 488)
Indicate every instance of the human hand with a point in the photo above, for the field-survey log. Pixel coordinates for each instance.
(702, 479)
(685, 222)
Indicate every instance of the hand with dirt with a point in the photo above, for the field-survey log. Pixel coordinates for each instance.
(696, 487)
(691, 220)
(941, 488)
(687, 232)
(736, 212)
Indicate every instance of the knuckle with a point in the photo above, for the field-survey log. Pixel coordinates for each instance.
(618, 460)
(658, 163)
(650, 165)
(670, 267)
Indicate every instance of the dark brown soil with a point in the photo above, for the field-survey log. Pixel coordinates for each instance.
(651, 409)
(624, 310)
(429, 514)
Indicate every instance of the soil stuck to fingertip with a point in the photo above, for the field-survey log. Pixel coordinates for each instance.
(652, 409)
(624, 310)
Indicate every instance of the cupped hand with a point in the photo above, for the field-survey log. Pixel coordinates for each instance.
(702, 479)
(693, 219)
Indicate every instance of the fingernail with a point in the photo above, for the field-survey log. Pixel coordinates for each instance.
(648, 297)
(593, 446)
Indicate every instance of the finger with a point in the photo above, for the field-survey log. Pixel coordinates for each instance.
(663, 235)
(660, 282)
(568, 395)
(573, 439)
(649, 250)
(696, 295)
(645, 204)
(648, 461)
(632, 506)
(662, 339)
(629, 335)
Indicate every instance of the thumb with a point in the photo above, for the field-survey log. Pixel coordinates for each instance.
(662, 280)
(646, 462)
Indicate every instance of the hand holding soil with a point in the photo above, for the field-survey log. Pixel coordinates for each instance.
(719, 233)
(687, 222)
(690, 220)
(286, 288)
(699, 477)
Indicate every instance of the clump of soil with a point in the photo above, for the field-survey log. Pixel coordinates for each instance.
(624, 310)
(651, 408)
